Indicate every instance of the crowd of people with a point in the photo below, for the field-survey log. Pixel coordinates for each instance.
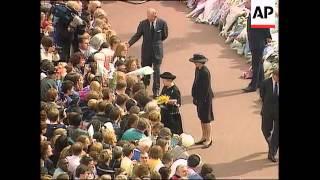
(98, 122)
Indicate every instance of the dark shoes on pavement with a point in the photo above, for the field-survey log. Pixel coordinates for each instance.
(205, 146)
(249, 89)
(200, 142)
(272, 158)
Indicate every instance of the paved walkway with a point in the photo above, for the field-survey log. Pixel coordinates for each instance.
(240, 150)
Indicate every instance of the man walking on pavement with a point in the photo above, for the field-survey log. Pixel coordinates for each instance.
(154, 30)
(269, 93)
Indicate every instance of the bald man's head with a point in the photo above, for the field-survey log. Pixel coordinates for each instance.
(151, 14)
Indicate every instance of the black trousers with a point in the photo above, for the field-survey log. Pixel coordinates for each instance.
(65, 50)
(270, 130)
(257, 68)
(156, 76)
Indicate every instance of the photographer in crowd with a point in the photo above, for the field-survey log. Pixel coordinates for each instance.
(67, 26)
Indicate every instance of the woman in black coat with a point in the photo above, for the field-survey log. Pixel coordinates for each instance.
(170, 115)
(202, 97)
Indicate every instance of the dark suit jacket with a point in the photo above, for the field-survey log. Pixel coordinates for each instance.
(152, 49)
(201, 89)
(257, 37)
(270, 103)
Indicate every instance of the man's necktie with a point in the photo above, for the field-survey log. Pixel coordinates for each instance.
(275, 92)
(152, 29)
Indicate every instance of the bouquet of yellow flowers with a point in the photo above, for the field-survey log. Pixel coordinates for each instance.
(163, 99)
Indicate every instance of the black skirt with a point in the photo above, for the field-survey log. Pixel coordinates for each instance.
(172, 120)
(204, 110)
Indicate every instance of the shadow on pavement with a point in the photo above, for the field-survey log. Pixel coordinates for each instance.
(238, 62)
(195, 147)
(108, 2)
(242, 166)
(188, 99)
(257, 106)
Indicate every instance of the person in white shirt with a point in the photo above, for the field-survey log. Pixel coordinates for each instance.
(74, 160)
(48, 50)
(126, 162)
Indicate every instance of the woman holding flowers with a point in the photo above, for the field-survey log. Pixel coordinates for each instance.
(170, 101)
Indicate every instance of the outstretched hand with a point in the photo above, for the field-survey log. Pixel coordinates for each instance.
(127, 44)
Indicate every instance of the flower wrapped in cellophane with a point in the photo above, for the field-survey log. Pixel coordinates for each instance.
(163, 99)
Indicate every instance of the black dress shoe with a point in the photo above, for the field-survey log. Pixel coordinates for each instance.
(249, 89)
(200, 142)
(272, 158)
(207, 145)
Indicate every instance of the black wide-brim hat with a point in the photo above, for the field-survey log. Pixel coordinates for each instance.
(198, 58)
(167, 75)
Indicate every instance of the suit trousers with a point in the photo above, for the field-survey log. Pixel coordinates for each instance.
(257, 68)
(270, 130)
(156, 76)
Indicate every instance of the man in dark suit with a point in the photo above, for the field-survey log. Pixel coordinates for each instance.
(154, 30)
(257, 40)
(269, 93)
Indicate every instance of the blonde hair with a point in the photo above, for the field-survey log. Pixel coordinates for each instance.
(93, 4)
(121, 76)
(110, 33)
(54, 139)
(60, 131)
(74, 4)
(99, 23)
(93, 95)
(92, 104)
(99, 13)
(131, 80)
(130, 60)
(104, 156)
(121, 177)
(97, 146)
(106, 177)
(121, 47)
(95, 86)
(109, 137)
(66, 152)
(154, 116)
(52, 94)
(114, 40)
(151, 106)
